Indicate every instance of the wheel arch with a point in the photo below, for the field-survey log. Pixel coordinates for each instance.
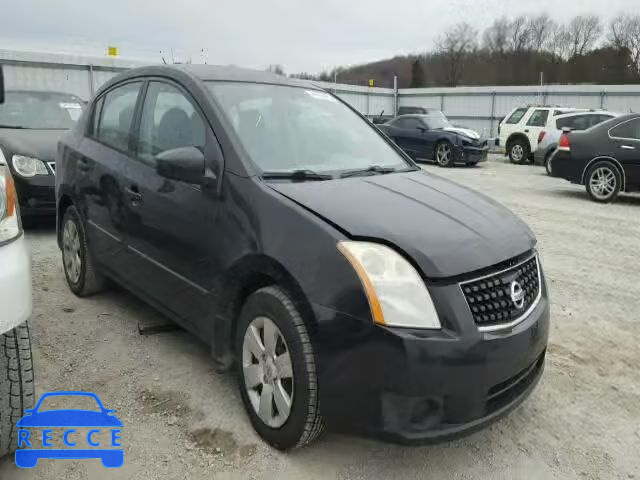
(517, 136)
(616, 163)
(249, 275)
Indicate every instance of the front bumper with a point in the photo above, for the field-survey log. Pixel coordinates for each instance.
(36, 195)
(15, 284)
(414, 387)
(471, 155)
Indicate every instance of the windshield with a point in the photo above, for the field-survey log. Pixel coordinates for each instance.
(437, 121)
(40, 110)
(285, 129)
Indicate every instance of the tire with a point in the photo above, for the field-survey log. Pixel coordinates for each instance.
(547, 163)
(304, 423)
(83, 277)
(443, 154)
(518, 151)
(16, 384)
(603, 182)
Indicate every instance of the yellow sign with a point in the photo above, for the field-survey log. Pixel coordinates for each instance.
(372, 82)
(112, 51)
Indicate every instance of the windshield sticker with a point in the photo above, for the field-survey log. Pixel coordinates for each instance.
(320, 95)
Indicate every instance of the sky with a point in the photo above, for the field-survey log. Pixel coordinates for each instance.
(300, 35)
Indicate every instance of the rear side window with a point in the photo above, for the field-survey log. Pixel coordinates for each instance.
(116, 116)
(169, 120)
(629, 129)
(539, 118)
(516, 116)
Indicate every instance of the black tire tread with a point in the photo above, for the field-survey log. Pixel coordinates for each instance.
(91, 280)
(17, 391)
(314, 424)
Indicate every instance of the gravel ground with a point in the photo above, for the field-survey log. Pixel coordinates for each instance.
(184, 421)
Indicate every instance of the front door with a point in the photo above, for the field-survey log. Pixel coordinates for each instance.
(173, 246)
(626, 139)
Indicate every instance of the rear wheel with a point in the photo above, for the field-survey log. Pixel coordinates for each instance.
(603, 182)
(16, 384)
(518, 151)
(82, 275)
(277, 370)
(444, 154)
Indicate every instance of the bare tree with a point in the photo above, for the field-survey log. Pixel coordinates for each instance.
(624, 33)
(540, 30)
(560, 42)
(454, 46)
(519, 38)
(276, 68)
(584, 32)
(496, 37)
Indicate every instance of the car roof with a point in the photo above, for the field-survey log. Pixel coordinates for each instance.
(217, 73)
(586, 112)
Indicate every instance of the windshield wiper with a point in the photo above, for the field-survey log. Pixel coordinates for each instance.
(296, 175)
(16, 127)
(373, 170)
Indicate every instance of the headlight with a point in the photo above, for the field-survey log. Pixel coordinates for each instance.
(9, 224)
(28, 166)
(397, 294)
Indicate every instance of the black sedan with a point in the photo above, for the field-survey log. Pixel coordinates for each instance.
(347, 287)
(30, 124)
(605, 158)
(433, 137)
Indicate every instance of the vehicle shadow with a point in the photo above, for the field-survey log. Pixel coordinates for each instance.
(623, 198)
(39, 224)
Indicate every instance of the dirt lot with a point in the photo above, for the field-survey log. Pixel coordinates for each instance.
(184, 421)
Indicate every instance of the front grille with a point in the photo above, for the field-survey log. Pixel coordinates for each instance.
(504, 296)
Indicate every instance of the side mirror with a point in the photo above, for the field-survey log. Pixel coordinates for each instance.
(1, 86)
(185, 164)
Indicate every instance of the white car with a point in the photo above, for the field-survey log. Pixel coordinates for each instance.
(16, 366)
(577, 121)
(519, 130)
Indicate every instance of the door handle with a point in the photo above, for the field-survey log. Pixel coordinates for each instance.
(135, 197)
(627, 147)
(526, 131)
(83, 165)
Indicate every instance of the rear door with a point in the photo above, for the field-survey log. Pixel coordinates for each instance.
(626, 139)
(536, 122)
(173, 245)
(100, 161)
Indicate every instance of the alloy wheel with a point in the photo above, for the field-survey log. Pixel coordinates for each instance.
(268, 372)
(443, 154)
(71, 251)
(517, 153)
(603, 183)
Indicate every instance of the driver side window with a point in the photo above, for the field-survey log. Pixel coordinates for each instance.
(169, 120)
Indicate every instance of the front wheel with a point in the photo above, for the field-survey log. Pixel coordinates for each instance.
(277, 370)
(603, 182)
(444, 154)
(16, 384)
(518, 152)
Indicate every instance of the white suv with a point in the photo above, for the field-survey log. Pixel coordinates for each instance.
(519, 130)
(16, 367)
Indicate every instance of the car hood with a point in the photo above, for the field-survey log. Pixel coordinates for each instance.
(464, 131)
(69, 418)
(40, 144)
(446, 228)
